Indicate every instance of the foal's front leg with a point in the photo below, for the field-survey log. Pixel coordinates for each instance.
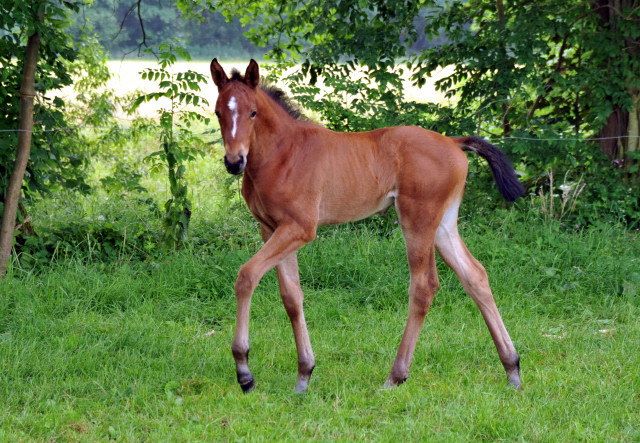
(292, 297)
(286, 239)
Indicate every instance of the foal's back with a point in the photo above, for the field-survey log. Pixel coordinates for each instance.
(359, 174)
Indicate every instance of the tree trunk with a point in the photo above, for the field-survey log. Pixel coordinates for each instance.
(618, 132)
(611, 143)
(12, 197)
(506, 123)
(633, 142)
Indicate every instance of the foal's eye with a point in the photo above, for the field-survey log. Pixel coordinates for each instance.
(254, 113)
(217, 114)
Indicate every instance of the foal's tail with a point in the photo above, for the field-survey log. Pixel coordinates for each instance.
(504, 174)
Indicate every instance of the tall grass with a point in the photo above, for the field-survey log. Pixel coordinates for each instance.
(140, 350)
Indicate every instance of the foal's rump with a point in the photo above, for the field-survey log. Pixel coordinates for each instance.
(443, 156)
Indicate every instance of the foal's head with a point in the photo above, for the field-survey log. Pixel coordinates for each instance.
(236, 110)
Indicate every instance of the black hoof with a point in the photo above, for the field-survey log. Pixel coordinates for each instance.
(248, 387)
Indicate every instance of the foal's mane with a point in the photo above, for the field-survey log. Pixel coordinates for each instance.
(277, 95)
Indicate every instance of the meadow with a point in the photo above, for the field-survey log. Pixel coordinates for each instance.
(136, 346)
(141, 350)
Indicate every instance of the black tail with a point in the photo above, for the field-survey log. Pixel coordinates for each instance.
(504, 174)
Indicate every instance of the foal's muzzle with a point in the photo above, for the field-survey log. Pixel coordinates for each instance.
(237, 167)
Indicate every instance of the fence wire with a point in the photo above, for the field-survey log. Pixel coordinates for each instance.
(493, 139)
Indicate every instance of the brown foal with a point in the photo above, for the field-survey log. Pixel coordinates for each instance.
(299, 175)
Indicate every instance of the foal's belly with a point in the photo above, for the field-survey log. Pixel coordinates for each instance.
(346, 208)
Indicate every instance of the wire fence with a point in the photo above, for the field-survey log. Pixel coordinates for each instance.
(493, 139)
(79, 128)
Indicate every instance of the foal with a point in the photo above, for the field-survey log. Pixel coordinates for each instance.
(299, 175)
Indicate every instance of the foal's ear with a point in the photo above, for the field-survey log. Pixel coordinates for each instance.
(252, 76)
(218, 74)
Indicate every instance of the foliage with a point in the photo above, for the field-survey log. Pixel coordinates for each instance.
(559, 74)
(603, 197)
(119, 29)
(55, 159)
(518, 73)
(120, 229)
(176, 138)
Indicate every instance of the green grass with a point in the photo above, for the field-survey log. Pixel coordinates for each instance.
(93, 351)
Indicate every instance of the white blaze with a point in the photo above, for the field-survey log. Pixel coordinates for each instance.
(233, 106)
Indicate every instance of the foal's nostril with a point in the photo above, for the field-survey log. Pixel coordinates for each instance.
(236, 167)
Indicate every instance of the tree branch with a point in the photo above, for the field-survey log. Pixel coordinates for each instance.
(144, 34)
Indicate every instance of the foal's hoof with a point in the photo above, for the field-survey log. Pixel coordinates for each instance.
(391, 384)
(514, 381)
(515, 385)
(394, 381)
(248, 386)
(388, 385)
(301, 386)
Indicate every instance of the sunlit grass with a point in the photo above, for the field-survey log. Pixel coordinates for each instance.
(126, 79)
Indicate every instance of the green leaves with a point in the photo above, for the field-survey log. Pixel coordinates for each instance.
(177, 142)
(57, 156)
(561, 74)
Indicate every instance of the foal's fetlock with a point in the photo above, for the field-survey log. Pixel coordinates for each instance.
(305, 368)
(398, 375)
(303, 379)
(513, 373)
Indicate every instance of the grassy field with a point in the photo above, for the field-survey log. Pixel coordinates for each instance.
(140, 351)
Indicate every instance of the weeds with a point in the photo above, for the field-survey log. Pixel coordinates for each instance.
(176, 138)
(567, 199)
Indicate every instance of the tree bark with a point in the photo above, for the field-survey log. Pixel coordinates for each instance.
(506, 124)
(633, 142)
(611, 143)
(617, 133)
(12, 197)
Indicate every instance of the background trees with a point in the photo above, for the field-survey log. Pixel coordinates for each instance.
(35, 57)
(536, 77)
(117, 25)
(554, 67)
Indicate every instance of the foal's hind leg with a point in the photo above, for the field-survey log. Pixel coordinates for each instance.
(422, 289)
(474, 279)
(419, 238)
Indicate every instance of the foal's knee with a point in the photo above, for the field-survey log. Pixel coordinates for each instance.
(422, 294)
(245, 283)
